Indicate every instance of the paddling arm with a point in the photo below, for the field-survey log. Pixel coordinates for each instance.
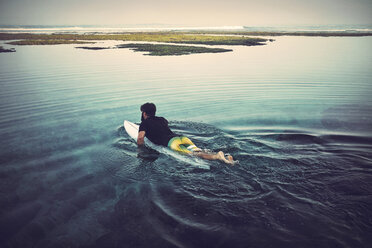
(141, 138)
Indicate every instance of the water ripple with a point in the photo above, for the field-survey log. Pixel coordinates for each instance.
(299, 123)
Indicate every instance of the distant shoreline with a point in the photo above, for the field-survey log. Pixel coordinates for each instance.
(322, 33)
(347, 29)
(211, 38)
(294, 33)
(158, 37)
(167, 37)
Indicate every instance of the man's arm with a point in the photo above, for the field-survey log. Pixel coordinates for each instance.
(141, 138)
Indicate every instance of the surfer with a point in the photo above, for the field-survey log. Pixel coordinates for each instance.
(157, 131)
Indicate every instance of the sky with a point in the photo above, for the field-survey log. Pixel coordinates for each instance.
(185, 13)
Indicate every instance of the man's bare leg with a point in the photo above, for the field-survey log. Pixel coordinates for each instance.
(215, 156)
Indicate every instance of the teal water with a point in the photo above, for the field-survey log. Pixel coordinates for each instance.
(296, 113)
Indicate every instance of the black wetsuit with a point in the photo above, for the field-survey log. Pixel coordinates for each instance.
(157, 130)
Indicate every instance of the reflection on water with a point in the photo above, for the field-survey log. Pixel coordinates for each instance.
(296, 113)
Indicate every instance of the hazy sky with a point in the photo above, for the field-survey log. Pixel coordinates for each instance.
(186, 13)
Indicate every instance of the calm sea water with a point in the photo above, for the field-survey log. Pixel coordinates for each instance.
(296, 113)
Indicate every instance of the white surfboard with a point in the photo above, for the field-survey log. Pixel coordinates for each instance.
(132, 130)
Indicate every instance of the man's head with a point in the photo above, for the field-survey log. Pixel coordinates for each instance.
(149, 109)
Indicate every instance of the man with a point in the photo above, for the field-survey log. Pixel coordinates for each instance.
(157, 131)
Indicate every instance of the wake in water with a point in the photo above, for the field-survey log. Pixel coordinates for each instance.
(291, 186)
(289, 183)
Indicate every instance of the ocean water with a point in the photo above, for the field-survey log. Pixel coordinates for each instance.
(296, 113)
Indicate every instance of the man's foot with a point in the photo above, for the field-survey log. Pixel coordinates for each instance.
(231, 159)
(221, 156)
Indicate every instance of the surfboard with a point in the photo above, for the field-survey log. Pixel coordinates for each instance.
(132, 130)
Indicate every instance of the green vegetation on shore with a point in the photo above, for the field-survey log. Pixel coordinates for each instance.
(153, 49)
(229, 38)
(47, 42)
(94, 48)
(165, 50)
(166, 37)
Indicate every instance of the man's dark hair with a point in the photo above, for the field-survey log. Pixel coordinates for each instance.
(149, 108)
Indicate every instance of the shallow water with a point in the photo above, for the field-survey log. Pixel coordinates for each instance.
(296, 113)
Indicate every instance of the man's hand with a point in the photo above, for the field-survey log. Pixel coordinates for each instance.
(141, 138)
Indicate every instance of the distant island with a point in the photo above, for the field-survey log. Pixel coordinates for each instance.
(3, 50)
(152, 49)
(163, 50)
(210, 38)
